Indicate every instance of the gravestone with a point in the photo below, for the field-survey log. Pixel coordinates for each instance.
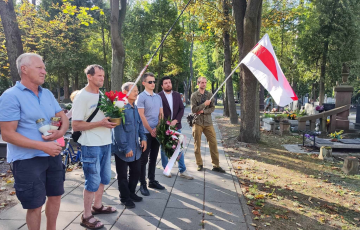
(343, 97)
(268, 122)
(284, 128)
(351, 166)
(357, 121)
(326, 153)
(310, 109)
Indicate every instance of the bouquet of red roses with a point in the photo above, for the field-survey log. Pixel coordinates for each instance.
(112, 104)
(168, 137)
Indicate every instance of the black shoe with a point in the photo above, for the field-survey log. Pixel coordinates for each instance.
(135, 197)
(129, 204)
(218, 169)
(144, 191)
(199, 168)
(156, 185)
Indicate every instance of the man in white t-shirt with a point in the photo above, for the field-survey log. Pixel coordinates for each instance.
(95, 143)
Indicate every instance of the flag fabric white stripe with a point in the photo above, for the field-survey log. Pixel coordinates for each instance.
(259, 65)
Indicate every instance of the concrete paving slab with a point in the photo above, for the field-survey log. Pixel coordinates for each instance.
(185, 200)
(189, 186)
(179, 218)
(217, 194)
(133, 222)
(11, 224)
(15, 213)
(148, 207)
(111, 197)
(224, 212)
(62, 221)
(223, 225)
(72, 202)
(158, 194)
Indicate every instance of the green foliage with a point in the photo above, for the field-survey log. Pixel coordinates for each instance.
(107, 106)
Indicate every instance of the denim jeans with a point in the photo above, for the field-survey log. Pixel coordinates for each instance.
(96, 165)
(164, 160)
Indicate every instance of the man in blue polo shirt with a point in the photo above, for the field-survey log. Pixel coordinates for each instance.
(37, 166)
(150, 109)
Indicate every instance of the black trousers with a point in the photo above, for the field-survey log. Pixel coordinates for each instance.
(150, 154)
(127, 186)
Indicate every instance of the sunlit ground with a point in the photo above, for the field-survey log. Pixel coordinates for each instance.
(291, 191)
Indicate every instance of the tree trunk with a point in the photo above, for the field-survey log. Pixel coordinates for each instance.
(118, 50)
(227, 67)
(248, 28)
(188, 91)
(106, 79)
(66, 87)
(58, 89)
(261, 98)
(216, 96)
(226, 112)
(161, 55)
(13, 42)
(33, 2)
(76, 82)
(322, 73)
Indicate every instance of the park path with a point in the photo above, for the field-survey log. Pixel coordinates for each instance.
(210, 201)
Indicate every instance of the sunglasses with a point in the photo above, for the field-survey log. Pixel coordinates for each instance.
(150, 82)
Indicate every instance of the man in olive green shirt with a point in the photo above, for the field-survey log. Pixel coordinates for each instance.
(203, 107)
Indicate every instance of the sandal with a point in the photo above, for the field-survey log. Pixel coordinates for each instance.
(100, 210)
(85, 223)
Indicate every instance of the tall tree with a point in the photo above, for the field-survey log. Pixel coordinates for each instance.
(13, 43)
(118, 50)
(248, 24)
(227, 65)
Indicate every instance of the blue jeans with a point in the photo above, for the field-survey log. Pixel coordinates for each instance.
(164, 160)
(96, 165)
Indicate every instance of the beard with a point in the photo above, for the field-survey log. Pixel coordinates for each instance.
(168, 90)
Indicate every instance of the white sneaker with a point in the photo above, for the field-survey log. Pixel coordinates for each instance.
(186, 175)
(167, 176)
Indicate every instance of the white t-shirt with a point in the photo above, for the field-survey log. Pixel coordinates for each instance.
(83, 106)
(169, 98)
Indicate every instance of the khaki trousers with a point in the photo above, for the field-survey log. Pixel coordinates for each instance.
(210, 135)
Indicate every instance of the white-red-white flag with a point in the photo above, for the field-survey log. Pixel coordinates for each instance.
(262, 62)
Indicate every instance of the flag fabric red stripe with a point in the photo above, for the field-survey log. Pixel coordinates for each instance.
(267, 58)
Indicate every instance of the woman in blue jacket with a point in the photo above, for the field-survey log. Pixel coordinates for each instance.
(129, 143)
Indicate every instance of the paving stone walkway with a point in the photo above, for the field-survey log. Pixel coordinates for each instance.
(184, 204)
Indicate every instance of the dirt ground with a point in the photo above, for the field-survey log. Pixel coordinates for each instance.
(8, 198)
(291, 191)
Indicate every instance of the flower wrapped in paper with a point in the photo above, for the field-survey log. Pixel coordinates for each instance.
(171, 143)
(168, 137)
(112, 104)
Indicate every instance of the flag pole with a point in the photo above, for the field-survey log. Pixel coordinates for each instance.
(162, 42)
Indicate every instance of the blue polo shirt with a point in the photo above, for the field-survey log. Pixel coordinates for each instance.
(151, 105)
(20, 104)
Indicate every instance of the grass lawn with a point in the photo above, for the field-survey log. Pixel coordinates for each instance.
(291, 191)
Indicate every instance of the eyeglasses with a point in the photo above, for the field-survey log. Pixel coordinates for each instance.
(150, 82)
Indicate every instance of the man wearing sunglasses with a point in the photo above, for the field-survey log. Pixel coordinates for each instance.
(150, 109)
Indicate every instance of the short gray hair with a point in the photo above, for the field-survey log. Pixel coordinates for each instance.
(126, 86)
(25, 59)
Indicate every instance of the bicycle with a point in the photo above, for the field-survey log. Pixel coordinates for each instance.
(69, 155)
